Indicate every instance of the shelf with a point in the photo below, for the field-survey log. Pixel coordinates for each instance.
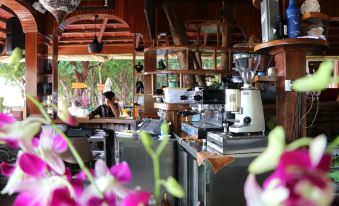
(190, 72)
(315, 19)
(264, 79)
(256, 3)
(161, 50)
(310, 44)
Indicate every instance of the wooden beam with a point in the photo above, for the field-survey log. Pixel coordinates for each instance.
(83, 49)
(80, 40)
(55, 54)
(25, 16)
(82, 31)
(102, 29)
(5, 13)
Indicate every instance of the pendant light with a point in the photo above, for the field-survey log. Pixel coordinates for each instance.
(95, 46)
(60, 8)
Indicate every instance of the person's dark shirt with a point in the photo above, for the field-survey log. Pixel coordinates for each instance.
(104, 111)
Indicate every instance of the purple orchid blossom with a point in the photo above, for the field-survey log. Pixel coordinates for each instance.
(35, 186)
(6, 120)
(18, 134)
(49, 148)
(299, 179)
(110, 183)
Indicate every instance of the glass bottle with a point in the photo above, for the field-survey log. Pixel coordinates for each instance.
(293, 19)
(165, 201)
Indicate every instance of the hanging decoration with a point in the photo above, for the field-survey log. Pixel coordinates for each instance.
(60, 8)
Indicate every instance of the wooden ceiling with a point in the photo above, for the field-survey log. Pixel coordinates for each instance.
(5, 14)
(116, 27)
(108, 30)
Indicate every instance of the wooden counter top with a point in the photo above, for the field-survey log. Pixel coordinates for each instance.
(101, 121)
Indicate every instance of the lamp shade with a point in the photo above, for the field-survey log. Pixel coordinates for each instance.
(95, 46)
(60, 8)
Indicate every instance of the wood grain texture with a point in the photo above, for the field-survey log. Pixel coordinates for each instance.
(24, 14)
(311, 45)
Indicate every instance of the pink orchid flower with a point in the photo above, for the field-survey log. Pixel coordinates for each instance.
(49, 147)
(18, 134)
(6, 120)
(110, 183)
(299, 179)
(65, 116)
(28, 165)
(34, 184)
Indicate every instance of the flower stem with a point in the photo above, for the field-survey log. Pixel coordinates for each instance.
(69, 143)
(157, 180)
(77, 158)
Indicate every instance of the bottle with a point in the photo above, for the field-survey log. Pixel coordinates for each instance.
(293, 19)
(279, 23)
(165, 201)
(152, 201)
(162, 64)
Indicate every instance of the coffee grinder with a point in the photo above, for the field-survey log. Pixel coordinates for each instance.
(249, 117)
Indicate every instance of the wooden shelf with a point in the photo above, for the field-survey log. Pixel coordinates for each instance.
(161, 50)
(256, 3)
(171, 106)
(315, 19)
(310, 44)
(264, 79)
(190, 72)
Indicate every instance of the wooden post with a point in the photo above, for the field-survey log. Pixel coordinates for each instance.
(150, 62)
(55, 73)
(290, 64)
(31, 72)
(36, 48)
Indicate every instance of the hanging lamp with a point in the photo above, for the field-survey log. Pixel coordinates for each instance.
(95, 46)
(60, 8)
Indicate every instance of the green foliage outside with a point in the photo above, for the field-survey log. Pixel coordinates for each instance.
(120, 72)
(13, 75)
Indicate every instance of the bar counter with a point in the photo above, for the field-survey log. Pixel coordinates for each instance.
(115, 124)
(209, 177)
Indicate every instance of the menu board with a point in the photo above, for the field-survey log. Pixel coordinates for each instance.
(97, 4)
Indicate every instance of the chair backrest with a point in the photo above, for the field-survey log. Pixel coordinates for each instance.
(83, 147)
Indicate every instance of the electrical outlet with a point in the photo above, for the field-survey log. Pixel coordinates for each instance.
(288, 85)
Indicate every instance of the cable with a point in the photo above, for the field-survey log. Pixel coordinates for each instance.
(316, 113)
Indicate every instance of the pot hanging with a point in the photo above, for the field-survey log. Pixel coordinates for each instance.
(60, 8)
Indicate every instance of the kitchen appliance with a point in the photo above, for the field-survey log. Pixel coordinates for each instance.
(271, 20)
(209, 105)
(249, 117)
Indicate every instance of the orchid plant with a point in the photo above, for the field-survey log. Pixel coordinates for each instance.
(39, 176)
(172, 186)
(300, 175)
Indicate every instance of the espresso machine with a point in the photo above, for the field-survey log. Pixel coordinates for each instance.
(209, 106)
(245, 133)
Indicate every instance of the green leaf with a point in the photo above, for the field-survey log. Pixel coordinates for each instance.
(316, 82)
(334, 176)
(164, 128)
(15, 57)
(146, 139)
(269, 159)
(174, 188)
(333, 145)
